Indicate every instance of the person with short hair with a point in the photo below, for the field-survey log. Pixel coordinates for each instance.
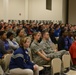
(49, 48)
(4, 48)
(12, 43)
(62, 41)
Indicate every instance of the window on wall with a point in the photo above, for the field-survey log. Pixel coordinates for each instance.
(49, 4)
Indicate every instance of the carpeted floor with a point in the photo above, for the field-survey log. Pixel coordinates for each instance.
(47, 71)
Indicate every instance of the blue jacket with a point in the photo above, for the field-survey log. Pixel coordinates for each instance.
(2, 49)
(68, 42)
(57, 32)
(21, 59)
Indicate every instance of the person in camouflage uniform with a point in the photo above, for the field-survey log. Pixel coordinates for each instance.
(47, 47)
(38, 55)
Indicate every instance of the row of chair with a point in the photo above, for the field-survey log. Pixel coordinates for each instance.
(36, 21)
(56, 65)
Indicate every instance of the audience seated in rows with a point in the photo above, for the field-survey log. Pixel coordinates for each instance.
(43, 40)
(42, 51)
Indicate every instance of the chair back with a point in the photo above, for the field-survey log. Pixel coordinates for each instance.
(6, 60)
(56, 65)
(66, 59)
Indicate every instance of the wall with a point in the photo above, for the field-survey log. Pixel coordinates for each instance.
(33, 10)
(37, 10)
(16, 7)
(72, 12)
(64, 11)
(1, 9)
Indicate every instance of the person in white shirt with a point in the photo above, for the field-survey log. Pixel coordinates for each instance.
(12, 43)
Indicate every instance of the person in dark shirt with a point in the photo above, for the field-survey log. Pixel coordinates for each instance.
(70, 39)
(57, 31)
(3, 50)
(53, 39)
(62, 41)
(28, 29)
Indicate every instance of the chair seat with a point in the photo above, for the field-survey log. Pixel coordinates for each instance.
(1, 71)
(40, 68)
(46, 65)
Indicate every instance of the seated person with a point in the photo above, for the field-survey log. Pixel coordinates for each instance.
(13, 44)
(72, 51)
(3, 48)
(20, 34)
(1, 28)
(57, 31)
(52, 37)
(38, 55)
(63, 42)
(3, 51)
(70, 39)
(20, 60)
(6, 44)
(14, 28)
(47, 46)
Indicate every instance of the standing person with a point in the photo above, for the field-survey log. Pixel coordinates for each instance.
(20, 60)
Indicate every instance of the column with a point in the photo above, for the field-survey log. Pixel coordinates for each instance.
(26, 9)
(5, 10)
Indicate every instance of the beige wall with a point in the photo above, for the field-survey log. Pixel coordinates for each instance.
(16, 7)
(37, 10)
(1, 9)
(64, 5)
(72, 12)
(34, 10)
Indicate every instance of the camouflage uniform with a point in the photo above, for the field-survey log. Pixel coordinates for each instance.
(46, 47)
(35, 47)
(18, 39)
